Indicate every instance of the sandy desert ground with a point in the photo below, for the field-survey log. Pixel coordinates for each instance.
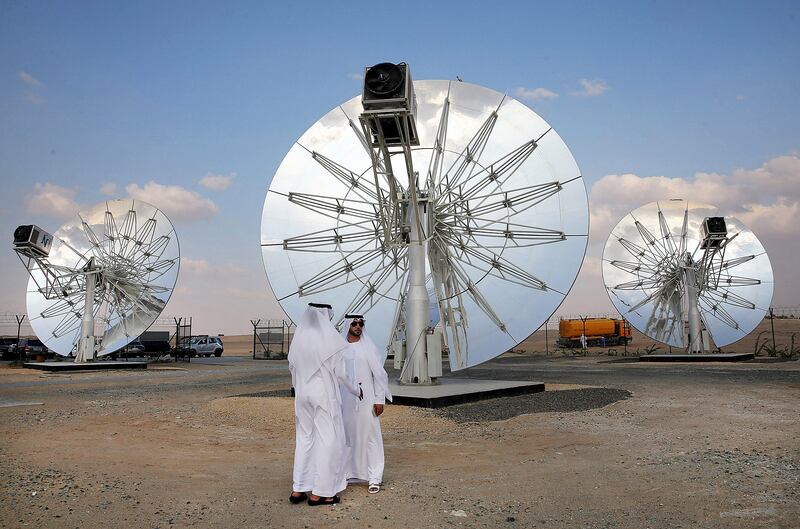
(188, 445)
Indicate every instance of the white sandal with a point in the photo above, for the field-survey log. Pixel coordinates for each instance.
(373, 488)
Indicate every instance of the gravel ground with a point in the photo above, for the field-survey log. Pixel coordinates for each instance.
(712, 446)
(504, 408)
(263, 394)
(501, 409)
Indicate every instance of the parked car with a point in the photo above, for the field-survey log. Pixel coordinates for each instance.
(205, 346)
(33, 347)
(8, 348)
(133, 349)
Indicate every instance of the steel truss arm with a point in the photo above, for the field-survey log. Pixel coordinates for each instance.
(435, 166)
(359, 132)
(668, 287)
(632, 267)
(340, 272)
(365, 298)
(331, 239)
(718, 311)
(512, 199)
(666, 235)
(357, 183)
(518, 235)
(334, 207)
(471, 154)
(465, 284)
(496, 174)
(638, 252)
(471, 254)
(650, 240)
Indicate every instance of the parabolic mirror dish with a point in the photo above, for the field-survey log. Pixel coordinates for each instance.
(135, 247)
(504, 243)
(644, 263)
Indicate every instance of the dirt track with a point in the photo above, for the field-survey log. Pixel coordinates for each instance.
(694, 446)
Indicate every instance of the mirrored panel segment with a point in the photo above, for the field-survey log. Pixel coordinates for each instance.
(505, 237)
(659, 251)
(134, 249)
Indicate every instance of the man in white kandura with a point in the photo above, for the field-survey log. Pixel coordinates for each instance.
(364, 365)
(317, 366)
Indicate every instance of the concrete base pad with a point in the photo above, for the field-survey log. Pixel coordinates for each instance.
(86, 366)
(698, 357)
(451, 391)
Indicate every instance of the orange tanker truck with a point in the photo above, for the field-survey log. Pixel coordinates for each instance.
(599, 332)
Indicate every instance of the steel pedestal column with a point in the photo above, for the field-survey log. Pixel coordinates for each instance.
(417, 304)
(86, 344)
(693, 313)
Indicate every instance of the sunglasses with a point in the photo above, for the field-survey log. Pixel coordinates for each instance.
(357, 324)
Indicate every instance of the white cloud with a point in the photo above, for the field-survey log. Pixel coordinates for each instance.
(29, 80)
(32, 85)
(260, 294)
(535, 94)
(202, 266)
(355, 76)
(109, 189)
(762, 198)
(177, 202)
(590, 88)
(779, 218)
(34, 99)
(217, 182)
(52, 200)
(777, 177)
(199, 266)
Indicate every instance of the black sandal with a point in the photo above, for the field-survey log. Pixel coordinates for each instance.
(325, 501)
(298, 499)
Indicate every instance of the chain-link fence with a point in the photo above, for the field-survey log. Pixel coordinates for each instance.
(13, 322)
(271, 338)
(786, 312)
(777, 335)
(166, 335)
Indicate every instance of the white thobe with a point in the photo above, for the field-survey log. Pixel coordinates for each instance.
(365, 459)
(319, 455)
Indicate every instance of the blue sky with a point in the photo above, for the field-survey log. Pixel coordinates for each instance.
(100, 93)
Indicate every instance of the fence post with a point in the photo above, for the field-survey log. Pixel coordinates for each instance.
(772, 324)
(19, 326)
(546, 340)
(190, 337)
(255, 329)
(584, 341)
(284, 325)
(177, 337)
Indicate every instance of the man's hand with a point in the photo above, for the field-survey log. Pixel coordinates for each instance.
(378, 409)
